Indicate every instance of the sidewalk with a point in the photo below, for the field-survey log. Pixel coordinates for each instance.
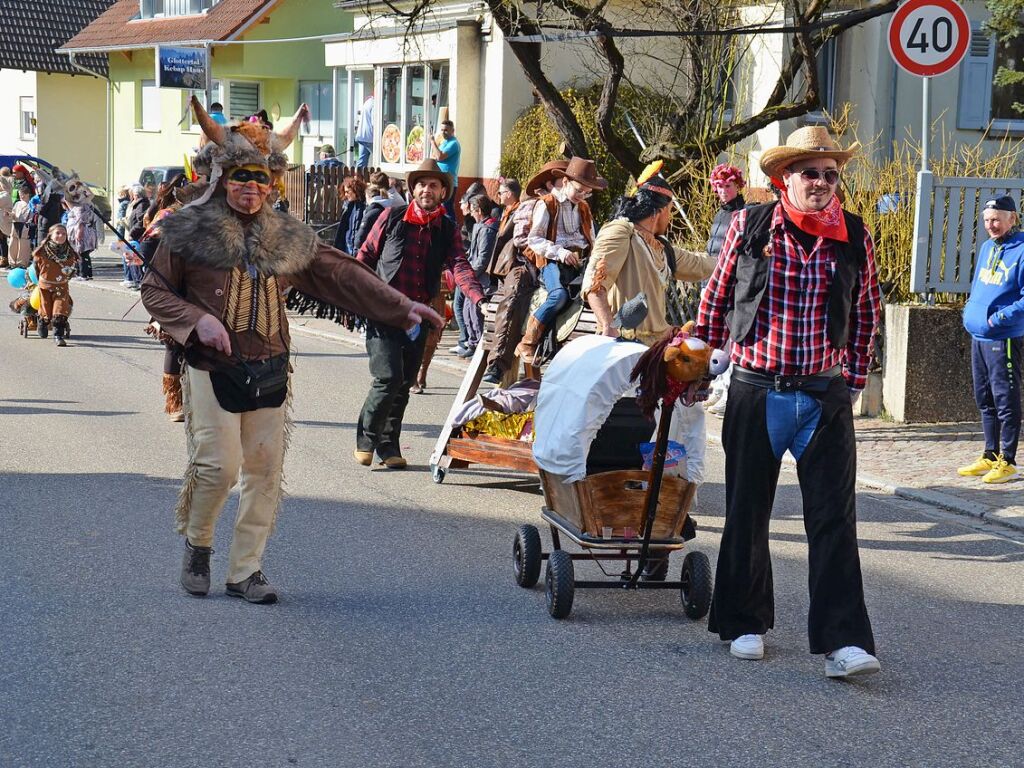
(912, 461)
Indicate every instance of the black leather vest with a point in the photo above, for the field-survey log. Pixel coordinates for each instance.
(394, 249)
(752, 269)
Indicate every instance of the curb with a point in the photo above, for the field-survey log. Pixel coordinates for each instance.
(920, 495)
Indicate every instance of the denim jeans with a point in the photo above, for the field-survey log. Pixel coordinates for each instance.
(365, 150)
(458, 302)
(557, 298)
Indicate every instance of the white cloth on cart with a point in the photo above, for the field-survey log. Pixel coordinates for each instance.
(580, 387)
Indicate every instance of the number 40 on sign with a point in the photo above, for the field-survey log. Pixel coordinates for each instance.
(929, 37)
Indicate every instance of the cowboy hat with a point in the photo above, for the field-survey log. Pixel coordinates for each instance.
(583, 172)
(426, 169)
(809, 142)
(544, 175)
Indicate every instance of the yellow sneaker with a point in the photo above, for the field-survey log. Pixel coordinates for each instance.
(1000, 473)
(980, 467)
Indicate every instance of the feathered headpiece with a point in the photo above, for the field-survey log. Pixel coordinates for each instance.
(246, 143)
(652, 180)
(724, 173)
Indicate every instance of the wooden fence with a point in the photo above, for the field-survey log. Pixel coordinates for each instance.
(315, 192)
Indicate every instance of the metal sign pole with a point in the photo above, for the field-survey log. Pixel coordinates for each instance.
(926, 120)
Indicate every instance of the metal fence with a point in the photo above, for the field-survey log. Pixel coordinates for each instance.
(948, 229)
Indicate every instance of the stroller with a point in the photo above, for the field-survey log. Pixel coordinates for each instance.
(596, 492)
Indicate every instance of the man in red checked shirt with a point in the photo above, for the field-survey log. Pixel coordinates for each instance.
(409, 247)
(796, 290)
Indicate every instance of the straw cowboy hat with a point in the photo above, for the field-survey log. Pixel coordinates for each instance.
(584, 172)
(544, 175)
(810, 142)
(426, 169)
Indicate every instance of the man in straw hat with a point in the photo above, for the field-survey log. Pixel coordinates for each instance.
(796, 291)
(216, 287)
(520, 280)
(560, 239)
(409, 246)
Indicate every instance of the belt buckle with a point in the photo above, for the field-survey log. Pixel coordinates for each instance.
(779, 384)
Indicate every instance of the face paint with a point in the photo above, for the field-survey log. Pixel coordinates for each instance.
(245, 173)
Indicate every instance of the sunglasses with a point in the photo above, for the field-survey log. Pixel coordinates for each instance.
(831, 176)
(245, 175)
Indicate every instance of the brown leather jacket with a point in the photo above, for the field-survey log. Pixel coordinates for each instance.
(330, 276)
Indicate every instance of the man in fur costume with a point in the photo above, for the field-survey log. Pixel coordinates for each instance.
(216, 287)
(55, 263)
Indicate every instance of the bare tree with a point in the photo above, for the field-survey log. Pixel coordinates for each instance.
(710, 52)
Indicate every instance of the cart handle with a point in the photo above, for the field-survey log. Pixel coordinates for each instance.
(653, 488)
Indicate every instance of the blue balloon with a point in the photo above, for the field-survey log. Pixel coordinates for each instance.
(18, 278)
(33, 276)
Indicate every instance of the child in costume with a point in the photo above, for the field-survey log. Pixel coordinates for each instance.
(55, 262)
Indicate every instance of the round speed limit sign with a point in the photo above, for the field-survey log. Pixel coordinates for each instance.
(929, 37)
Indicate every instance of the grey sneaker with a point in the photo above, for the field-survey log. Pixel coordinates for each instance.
(255, 589)
(850, 661)
(195, 569)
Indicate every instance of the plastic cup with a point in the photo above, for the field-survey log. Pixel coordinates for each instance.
(628, 533)
(606, 532)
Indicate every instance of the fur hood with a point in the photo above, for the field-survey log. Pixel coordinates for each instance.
(211, 234)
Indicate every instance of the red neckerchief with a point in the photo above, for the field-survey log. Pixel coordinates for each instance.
(829, 222)
(416, 215)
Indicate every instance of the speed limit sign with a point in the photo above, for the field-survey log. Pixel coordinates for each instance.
(929, 37)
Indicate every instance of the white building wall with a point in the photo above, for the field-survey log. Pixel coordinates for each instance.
(15, 84)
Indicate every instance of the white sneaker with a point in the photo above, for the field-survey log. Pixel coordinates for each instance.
(748, 647)
(849, 661)
(126, 283)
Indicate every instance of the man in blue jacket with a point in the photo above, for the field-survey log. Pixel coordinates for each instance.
(994, 316)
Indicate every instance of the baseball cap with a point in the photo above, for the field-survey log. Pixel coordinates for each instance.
(1001, 203)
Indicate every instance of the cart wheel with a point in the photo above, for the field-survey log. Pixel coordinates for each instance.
(43, 329)
(559, 584)
(437, 473)
(696, 590)
(526, 556)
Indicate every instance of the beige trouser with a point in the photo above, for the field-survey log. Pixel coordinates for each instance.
(222, 444)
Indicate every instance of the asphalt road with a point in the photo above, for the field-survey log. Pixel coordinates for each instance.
(401, 638)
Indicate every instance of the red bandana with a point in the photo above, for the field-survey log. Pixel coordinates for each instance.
(416, 215)
(829, 222)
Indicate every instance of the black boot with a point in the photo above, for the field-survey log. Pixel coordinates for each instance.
(195, 569)
(58, 332)
(494, 374)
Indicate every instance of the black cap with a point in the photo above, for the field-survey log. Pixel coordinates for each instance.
(1001, 203)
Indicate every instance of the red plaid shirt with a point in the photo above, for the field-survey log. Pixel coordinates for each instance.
(411, 277)
(790, 332)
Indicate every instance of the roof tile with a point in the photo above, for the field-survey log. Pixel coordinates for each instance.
(33, 30)
(118, 27)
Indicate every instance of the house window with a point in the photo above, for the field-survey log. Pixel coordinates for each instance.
(218, 96)
(981, 102)
(243, 100)
(149, 106)
(28, 117)
(319, 96)
(826, 67)
(155, 9)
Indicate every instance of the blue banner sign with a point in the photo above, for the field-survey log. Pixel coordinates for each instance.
(181, 68)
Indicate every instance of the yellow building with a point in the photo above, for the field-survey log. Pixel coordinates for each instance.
(251, 69)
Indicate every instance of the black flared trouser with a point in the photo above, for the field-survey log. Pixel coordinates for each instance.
(744, 602)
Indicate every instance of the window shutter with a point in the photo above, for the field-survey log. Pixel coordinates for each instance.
(976, 74)
(243, 99)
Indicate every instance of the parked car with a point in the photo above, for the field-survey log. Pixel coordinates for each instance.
(155, 175)
(101, 199)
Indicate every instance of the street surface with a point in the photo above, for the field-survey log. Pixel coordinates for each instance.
(401, 639)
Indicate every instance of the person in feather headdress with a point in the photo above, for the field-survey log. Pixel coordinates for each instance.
(216, 286)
